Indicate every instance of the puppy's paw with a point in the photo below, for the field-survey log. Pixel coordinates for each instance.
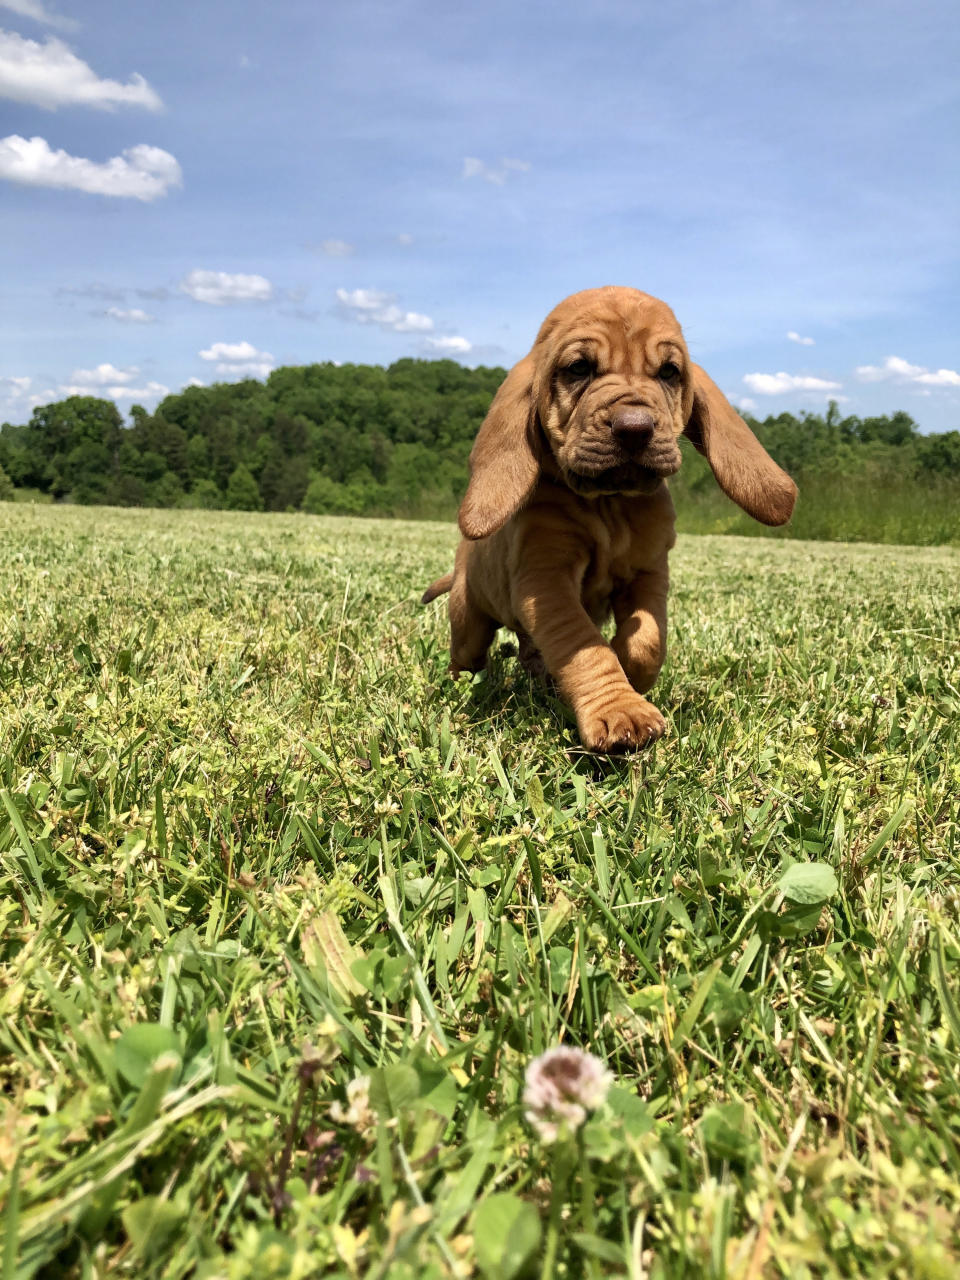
(465, 668)
(624, 725)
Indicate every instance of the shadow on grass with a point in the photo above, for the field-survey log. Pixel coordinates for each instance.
(520, 705)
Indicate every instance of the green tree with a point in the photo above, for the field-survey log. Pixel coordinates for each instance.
(126, 490)
(223, 449)
(204, 494)
(87, 470)
(242, 491)
(6, 487)
(198, 458)
(940, 454)
(367, 440)
(17, 458)
(323, 496)
(283, 480)
(78, 439)
(167, 491)
(896, 429)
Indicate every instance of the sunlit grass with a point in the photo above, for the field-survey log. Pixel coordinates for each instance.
(883, 502)
(255, 846)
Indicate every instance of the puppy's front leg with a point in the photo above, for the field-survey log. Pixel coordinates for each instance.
(640, 610)
(611, 716)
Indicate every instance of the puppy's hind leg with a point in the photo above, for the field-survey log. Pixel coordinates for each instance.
(471, 630)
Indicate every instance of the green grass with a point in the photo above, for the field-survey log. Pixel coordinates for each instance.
(878, 500)
(254, 845)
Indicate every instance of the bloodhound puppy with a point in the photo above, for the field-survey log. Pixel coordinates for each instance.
(567, 517)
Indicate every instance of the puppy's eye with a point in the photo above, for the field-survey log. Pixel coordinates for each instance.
(669, 372)
(579, 369)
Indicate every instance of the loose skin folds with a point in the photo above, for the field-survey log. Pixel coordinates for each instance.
(567, 518)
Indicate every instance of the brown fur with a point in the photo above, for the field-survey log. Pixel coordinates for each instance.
(567, 517)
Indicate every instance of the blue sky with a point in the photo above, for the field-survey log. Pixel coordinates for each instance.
(203, 191)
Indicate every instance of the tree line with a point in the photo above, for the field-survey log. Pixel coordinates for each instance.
(365, 440)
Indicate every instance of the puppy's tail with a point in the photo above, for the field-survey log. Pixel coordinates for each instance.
(438, 588)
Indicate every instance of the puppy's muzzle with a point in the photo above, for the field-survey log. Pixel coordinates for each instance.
(641, 441)
(633, 427)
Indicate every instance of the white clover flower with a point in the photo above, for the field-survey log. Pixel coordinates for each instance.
(561, 1086)
(358, 1112)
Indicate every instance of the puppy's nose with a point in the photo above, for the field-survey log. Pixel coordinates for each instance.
(633, 425)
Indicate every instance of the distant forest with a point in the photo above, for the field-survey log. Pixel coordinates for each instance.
(364, 440)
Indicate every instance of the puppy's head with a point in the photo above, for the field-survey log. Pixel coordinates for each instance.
(599, 405)
(610, 400)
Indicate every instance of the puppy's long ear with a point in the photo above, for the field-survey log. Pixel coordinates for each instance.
(743, 468)
(504, 461)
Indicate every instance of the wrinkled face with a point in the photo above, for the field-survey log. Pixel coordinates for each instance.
(614, 390)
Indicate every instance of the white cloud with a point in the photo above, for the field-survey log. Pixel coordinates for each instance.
(892, 367)
(106, 379)
(743, 402)
(152, 391)
(141, 173)
(239, 359)
(14, 397)
(50, 75)
(793, 336)
(102, 375)
(39, 13)
(404, 238)
(196, 382)
(233, 351)
(336, 248)
(129, 315)
(896, 369)
(366, 300)
(772, 384)
(454, 345)
(86, 382)
(474, 168)
(247, 369)
(372, 306)
(220, 288)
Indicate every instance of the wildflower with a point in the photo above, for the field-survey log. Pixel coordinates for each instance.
(358, 1112)
(314, 1057)
(561, 1086)
(325, 1151)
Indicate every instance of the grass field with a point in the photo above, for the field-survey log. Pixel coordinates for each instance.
(256, 847)
(877, 501)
